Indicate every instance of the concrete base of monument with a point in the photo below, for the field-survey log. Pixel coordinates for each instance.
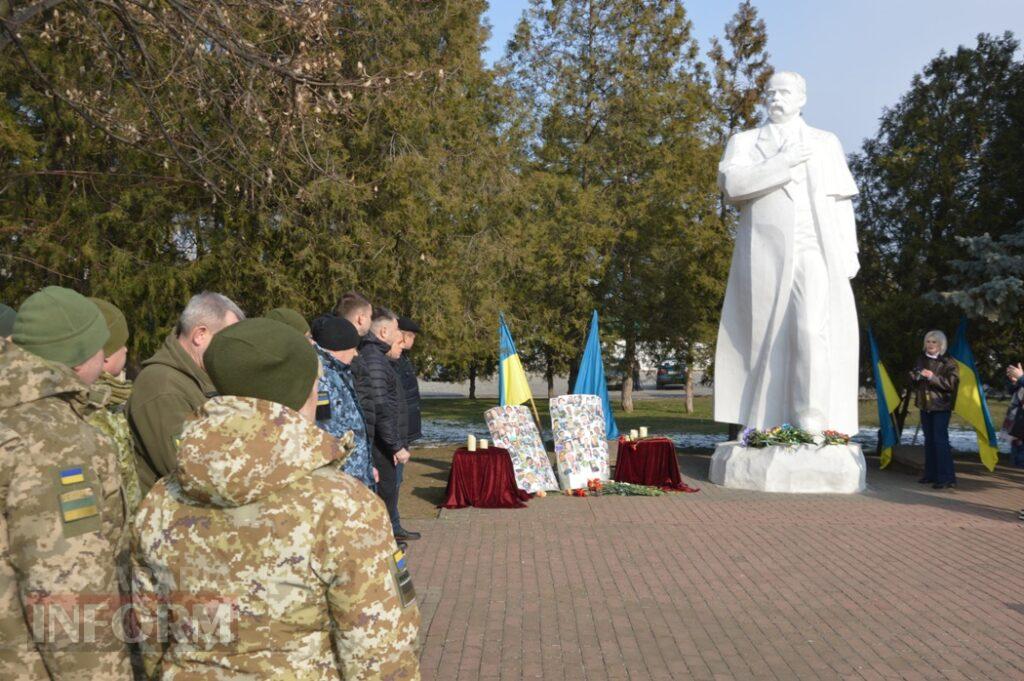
(805, 469)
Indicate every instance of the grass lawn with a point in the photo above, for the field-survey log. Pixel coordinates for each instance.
(660, 414)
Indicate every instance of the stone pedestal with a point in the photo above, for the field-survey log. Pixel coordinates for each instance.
(806, 469)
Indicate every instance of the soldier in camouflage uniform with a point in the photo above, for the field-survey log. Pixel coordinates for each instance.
(111, 420)
(258, 526)
(61, 510)
(338, 410)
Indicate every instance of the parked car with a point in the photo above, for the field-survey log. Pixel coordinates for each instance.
(670, 372)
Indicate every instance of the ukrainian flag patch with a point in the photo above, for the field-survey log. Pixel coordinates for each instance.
(323, 405)
(71, 476)
(78, 504)
(403, 581)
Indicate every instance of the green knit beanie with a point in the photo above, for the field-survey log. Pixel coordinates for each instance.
(265, 359)
(7, 315)
(288, 316)
(117, 325)
(60, 325)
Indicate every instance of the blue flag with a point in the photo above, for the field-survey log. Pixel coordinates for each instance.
(888, 400)
(591, 381)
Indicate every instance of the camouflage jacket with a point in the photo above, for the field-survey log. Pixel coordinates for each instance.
(338, 412)
(112, 422)
(61, 518)
(260, 559)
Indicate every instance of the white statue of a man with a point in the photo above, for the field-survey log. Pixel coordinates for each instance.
(788, 340)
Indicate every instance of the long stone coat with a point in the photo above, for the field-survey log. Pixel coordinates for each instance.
(752, 371)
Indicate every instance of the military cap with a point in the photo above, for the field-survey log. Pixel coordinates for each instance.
(116, 324)
(60, 325)
(265, 359)
(406, 324)
(288, 316)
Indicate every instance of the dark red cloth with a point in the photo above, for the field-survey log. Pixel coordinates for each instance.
(485, 479)
(651, 461)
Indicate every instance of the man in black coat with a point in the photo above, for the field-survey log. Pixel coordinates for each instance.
(377, 383)
(407, 374)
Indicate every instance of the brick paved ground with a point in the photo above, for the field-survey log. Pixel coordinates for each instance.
(900, 582)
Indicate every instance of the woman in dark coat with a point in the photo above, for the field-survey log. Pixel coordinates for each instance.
(936, 379)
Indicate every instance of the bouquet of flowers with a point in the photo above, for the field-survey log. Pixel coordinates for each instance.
(779, 436)
(791, 436)
(628, 489)
(834, 437)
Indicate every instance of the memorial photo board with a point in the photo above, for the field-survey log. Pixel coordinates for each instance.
(513, 428)
(581, 450)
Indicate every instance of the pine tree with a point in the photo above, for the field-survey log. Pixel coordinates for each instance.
(320, 148)
(944, 165)
(622, 122)
(741, 73)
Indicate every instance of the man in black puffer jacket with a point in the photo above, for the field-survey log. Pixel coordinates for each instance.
(377, 383)
(407, 374)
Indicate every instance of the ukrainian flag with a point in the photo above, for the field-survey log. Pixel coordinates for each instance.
(591, 380)
(888, 401)
(970, 399)
(513, 387)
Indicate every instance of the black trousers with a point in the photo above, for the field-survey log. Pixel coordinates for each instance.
(387, 488)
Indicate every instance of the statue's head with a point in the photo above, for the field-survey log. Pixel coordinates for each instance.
(785, 96)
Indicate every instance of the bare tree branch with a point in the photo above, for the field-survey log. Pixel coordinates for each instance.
(14, 24)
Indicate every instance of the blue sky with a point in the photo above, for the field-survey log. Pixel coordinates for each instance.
(858, 56)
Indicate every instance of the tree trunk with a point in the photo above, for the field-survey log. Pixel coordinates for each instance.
(472, 382)
(628, 369)
(574, 371)
(549, 374)
(689, 391)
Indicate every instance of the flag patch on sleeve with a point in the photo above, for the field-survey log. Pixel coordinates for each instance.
(71, 476)
(403, 580)
(78, 504)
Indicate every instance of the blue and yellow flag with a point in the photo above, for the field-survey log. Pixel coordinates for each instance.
(513, 387)
(970, 398)
(888, 401)
(591, 380)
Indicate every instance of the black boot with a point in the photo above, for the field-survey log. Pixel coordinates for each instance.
(402, 534)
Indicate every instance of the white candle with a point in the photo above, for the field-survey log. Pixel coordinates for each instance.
(643, 431)
(471, 443)
(633, 434)
(483, 444)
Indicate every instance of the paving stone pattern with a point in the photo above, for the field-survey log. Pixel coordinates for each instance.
(901, 582)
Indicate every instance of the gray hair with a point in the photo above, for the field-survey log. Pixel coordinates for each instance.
(207, 309)
(381, 316)
(936, 335)
(795, 77)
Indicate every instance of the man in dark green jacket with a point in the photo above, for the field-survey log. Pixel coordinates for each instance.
(173, 384)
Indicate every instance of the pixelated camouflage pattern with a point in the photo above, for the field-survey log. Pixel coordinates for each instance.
(111, 421)
(42, 410)
(337, 381)
(258, 516)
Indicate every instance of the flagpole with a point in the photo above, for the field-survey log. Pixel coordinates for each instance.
(535, 414)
